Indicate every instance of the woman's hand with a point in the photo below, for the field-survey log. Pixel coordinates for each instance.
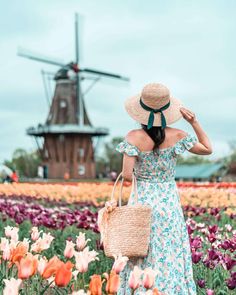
(188, 115)
(203, 147)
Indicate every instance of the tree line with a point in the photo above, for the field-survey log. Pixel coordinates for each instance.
(26, 163)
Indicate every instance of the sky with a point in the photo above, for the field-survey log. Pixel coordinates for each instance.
(187, 45)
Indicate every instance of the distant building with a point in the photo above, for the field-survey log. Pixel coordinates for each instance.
(201, 172)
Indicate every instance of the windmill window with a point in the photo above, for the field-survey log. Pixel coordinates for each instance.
(81, 152)
(46, 153)
(81, 169)
(63, 103)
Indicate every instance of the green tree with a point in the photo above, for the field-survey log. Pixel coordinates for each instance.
(110, 159)
(25, 163)
(232, 146)
(113, 157)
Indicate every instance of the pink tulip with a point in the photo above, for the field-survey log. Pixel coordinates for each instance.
(81, 262)
(26, 242)
(42, 262)
(120, 263)
(12, 286)
(149, 277)
(35, 233)
(69, 250)
(5, 248)
(92, 254)
(83, 258)
(228, 227)
(81, 242)
(134, 278)
(210, 292)
(48, 238)
(42, 243)
(12, 232)
(6, 253)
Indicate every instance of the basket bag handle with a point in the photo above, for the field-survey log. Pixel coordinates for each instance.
(133, 188)
(103, 213)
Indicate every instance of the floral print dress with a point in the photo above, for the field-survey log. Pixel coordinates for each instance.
(169, 250)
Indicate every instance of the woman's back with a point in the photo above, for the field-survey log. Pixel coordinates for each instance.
(156, 165)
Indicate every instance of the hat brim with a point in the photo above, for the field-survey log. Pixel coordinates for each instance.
(135, 110)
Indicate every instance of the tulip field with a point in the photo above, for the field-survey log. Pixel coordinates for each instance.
(50, 240)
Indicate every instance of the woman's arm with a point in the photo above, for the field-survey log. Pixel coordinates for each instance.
(128, 166)
(203, 147)
(129, 161)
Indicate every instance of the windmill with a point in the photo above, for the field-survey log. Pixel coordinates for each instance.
(67, 145)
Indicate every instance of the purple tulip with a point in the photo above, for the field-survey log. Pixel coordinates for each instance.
(214, 211)
(196, 256)
(225, 245)
(227, 262)
(201, 283)
(196, 242)
(55, 215)
(231, 283)
(213, 254)
(213, 228)
(211, 238)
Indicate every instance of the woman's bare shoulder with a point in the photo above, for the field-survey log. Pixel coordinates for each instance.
(176, 133)
(134, 136)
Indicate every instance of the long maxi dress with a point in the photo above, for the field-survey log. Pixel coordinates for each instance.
(169, 250)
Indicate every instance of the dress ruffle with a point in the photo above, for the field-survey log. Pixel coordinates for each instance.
(128, 148)
(184, 144)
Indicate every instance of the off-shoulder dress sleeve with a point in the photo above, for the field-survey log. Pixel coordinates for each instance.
(128, 148)
(186, 143)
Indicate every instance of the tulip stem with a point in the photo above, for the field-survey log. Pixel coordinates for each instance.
(43, 291)
(58, 291)
(40, 283)
(83, 280)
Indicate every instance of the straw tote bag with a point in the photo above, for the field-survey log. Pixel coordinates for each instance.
(125, 229)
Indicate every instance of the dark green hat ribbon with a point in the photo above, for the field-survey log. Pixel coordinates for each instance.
(154, 111)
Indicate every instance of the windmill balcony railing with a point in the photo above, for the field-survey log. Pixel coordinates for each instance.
(67, 128)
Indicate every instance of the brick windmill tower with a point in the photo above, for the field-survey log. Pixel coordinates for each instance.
(67, 145)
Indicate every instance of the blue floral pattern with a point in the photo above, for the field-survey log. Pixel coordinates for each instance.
(169, 250)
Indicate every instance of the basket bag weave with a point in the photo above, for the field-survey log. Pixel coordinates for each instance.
(125, 229)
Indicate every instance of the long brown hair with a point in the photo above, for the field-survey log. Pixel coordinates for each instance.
(157, 134)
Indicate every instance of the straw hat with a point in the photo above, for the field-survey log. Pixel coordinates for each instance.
(154, 106)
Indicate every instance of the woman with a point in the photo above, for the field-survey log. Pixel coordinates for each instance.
(151, 153)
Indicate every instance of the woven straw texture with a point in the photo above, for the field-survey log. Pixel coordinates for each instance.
(128, 231)
(155, 95)
(125, 229)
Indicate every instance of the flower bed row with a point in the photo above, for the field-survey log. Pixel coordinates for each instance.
(98, 193)
(53, 215)
(58, 215)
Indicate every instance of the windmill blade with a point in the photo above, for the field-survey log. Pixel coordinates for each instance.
(30, 55)
(91, 71)
(80, 107)
(77, 38)
(43, 73)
